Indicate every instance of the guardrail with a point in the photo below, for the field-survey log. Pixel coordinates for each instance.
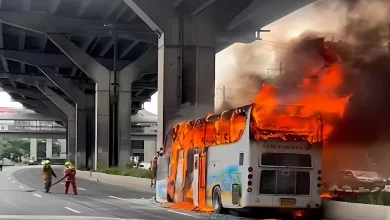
(18, 128)
(143, 129)
(336, 210)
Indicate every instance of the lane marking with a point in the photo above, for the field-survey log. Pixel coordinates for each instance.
(181, 213)
(37, 195)
(21, 187)
(81, 189)
(63, 183)
(75, 211)
(114, 197)
(13, 181)
(9, 178)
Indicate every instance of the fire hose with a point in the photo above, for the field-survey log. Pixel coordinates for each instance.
(58, 181)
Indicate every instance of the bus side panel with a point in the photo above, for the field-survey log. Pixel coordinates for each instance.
(162, 178)
(317, 165)
(227, 170)
(179, 197)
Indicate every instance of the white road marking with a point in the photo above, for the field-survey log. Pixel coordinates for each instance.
(37, 195)
(81, 189)
(114, 197)
(13, 181)
(62, 183)
(58, 217)
(9, 178)
(21, 187)
(181, 213)
(75, 211)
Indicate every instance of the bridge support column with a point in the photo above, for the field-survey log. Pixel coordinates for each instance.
(49, 148)
(33, 148)
(186, 59)
(101, 76)
(124, 113)
(149, 150)
(63, 151)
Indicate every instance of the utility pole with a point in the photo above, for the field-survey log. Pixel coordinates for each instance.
(280, 70)
(388, 43)
(223, 94)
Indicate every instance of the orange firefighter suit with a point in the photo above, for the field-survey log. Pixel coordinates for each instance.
(70, 178)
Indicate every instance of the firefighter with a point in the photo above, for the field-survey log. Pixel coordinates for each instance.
(47, 175)
(154, 169)
(70, 175)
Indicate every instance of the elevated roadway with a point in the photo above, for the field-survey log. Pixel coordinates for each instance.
(93, 63)
(23, 116)
(59, 132)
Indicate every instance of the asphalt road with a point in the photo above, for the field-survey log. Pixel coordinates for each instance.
(22, 197)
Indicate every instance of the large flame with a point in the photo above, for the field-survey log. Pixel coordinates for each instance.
(273, 115)
(317, 94)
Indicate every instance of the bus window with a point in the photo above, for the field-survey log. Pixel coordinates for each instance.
(303, 183)
(168, 142)
(188, 133)
(241, 159)
(223, 125)
(268, 182)
(282, 182)
(199, 133)
(237, 125)
(211, 133)
(286, 160)
(285, 182)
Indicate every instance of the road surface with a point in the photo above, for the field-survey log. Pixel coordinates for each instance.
(22, 197)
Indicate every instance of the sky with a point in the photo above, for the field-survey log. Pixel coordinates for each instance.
(292, 25)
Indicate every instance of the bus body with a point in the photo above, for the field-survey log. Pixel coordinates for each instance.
(243, 172)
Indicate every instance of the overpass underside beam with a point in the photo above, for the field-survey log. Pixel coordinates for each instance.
(112, 104)
(186, 59)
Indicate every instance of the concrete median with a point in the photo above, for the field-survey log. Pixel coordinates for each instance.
(134, 183)
(336, 210)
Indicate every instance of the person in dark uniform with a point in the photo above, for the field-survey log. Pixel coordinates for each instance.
(47, 175)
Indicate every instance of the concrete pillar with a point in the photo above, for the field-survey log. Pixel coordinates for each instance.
(186, 58)
(81, 135)
(71, 140)
(33, 148)
(49, 148)
(124, 113)
(149, 150)
(192, 78)
(102, 127)
(63, 153)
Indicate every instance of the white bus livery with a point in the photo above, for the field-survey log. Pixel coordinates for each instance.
(238, 160)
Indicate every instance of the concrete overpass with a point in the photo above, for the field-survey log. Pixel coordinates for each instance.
(60, 132)
(33, 116)
(93, 63)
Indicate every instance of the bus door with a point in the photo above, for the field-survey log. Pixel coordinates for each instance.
(199, 182)
(195, 182)
(161, 178)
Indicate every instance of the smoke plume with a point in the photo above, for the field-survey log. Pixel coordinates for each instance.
(360, 139)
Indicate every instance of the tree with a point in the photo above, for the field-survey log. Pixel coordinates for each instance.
(7, 151)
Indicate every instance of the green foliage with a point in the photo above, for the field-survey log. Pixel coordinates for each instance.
(140, 173)
(373, 198)
(7, 151)
(21, 147)
(130, 165)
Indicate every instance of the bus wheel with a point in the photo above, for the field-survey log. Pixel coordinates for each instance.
(217, 204)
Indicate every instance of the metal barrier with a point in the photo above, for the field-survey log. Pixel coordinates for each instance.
(19, 128)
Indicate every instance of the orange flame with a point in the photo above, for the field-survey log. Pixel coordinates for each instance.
(314, 97)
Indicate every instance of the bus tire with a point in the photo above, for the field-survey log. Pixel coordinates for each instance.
(217, 202)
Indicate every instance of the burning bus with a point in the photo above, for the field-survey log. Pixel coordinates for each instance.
(248, 157)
